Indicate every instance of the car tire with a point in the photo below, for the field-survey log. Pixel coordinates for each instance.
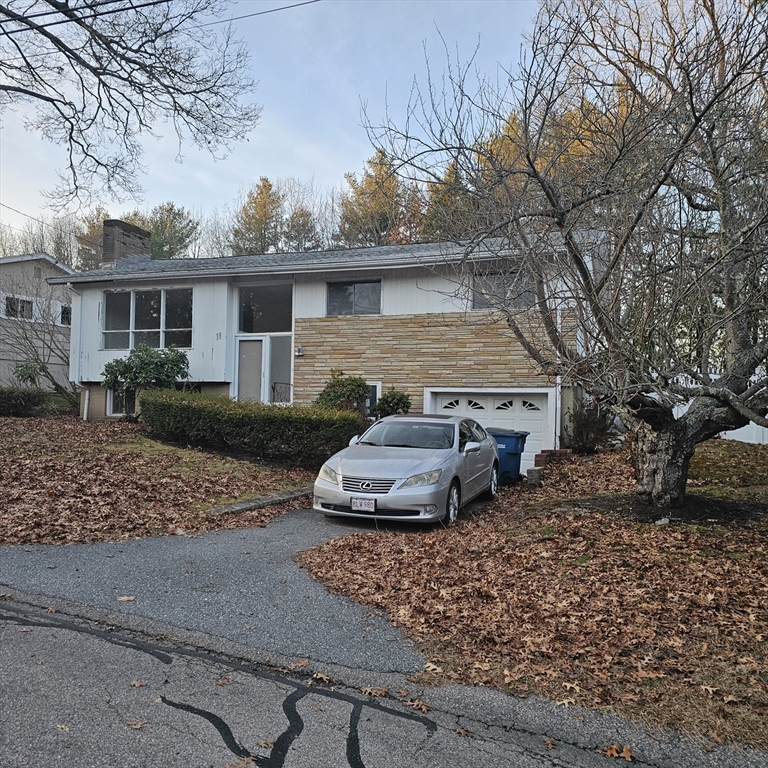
(452, 504)
(493, 485)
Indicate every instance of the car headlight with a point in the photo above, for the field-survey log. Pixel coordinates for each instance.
(426, 478)
(327, 474)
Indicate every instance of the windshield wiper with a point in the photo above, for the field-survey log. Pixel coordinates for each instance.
(366, 442)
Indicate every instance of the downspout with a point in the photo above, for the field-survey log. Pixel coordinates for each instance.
(78, 382)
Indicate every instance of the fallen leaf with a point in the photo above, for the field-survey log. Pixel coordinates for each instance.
(223, 681)
(548, 743)
(136, 724)
(137, 683)
(730, 698)
(321, 677)
(244, 763)
(63, 728)
(125, 599)
(368, 691)
(52, 610)
(402, 692)
(422, 706)
(266, 744)
(300, 664)
(572, 687)
(483, 665)
(708, 689)
(565, 702)
(615, 751)
(463, 732)
(430, 667)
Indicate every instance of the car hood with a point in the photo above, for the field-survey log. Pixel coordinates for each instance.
(381, 462)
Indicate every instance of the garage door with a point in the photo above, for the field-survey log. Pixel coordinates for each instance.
(525, 412)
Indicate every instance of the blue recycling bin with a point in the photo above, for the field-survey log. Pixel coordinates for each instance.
(511, 445)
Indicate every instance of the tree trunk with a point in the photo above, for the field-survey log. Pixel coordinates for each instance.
(661, 463)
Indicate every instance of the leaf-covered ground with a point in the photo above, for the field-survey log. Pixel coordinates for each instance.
(64, 480)
(583, 599)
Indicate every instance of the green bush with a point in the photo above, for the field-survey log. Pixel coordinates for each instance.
(390, 403)
(24, 401)
(302, 435)
(344, 393)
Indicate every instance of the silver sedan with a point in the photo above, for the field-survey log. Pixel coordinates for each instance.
(417, 468)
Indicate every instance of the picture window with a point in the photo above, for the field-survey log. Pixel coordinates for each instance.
(157, 318)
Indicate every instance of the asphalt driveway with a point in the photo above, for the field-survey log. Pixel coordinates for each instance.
(240, 585)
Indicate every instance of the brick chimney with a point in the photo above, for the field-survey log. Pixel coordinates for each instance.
(122, 239)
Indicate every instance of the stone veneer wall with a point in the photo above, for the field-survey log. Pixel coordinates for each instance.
(410, 352)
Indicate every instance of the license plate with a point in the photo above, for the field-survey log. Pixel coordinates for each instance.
(363, 505)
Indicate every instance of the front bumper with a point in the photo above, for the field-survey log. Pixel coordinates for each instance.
(418, 505)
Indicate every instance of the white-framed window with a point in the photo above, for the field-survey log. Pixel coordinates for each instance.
(65, 315)
(159, 318)
(497, 290)
(121, 405)
(19, 308)
(373, 397)
(353, 298)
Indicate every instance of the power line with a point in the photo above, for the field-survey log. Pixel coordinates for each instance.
(87, 17)
(21, 213)
(260, 13)
(56, 12)
(97, 14)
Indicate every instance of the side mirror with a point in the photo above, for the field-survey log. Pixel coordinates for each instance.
(355, 440)
(471, 447)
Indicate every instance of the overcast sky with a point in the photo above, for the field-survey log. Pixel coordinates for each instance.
(315, 65)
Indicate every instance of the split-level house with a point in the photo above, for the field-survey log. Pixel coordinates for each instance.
(34, 316)
(273, 328)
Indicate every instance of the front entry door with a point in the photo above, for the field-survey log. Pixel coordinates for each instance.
(249, 371)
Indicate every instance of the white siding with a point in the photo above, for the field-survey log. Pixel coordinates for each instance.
(209, 358)
(403, 292)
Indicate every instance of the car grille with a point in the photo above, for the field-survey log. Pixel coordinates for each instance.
(377, 513)
(366, 485)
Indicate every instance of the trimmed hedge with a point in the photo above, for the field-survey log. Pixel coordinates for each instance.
(24, 401)
(302, 435)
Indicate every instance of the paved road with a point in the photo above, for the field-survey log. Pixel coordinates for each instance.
(234, 605)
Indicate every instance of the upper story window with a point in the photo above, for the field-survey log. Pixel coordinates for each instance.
(65, 316)
(157, 318)
(354, 298)
(496, 290)
(266, 309)
(18, 309)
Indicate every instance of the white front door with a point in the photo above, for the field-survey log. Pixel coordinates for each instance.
(249, 370)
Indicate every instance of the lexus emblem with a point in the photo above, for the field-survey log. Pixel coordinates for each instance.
(366, 485)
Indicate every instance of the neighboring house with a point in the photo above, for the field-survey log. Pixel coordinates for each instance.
(273, 327)
(35, 317)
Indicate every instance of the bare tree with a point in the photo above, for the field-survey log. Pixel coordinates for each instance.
(619, 179)
(100, 75)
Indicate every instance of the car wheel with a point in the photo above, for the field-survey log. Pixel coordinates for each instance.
(493, 485)
(453, 504)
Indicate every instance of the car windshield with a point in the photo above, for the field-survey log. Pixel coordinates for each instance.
(410, 434)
